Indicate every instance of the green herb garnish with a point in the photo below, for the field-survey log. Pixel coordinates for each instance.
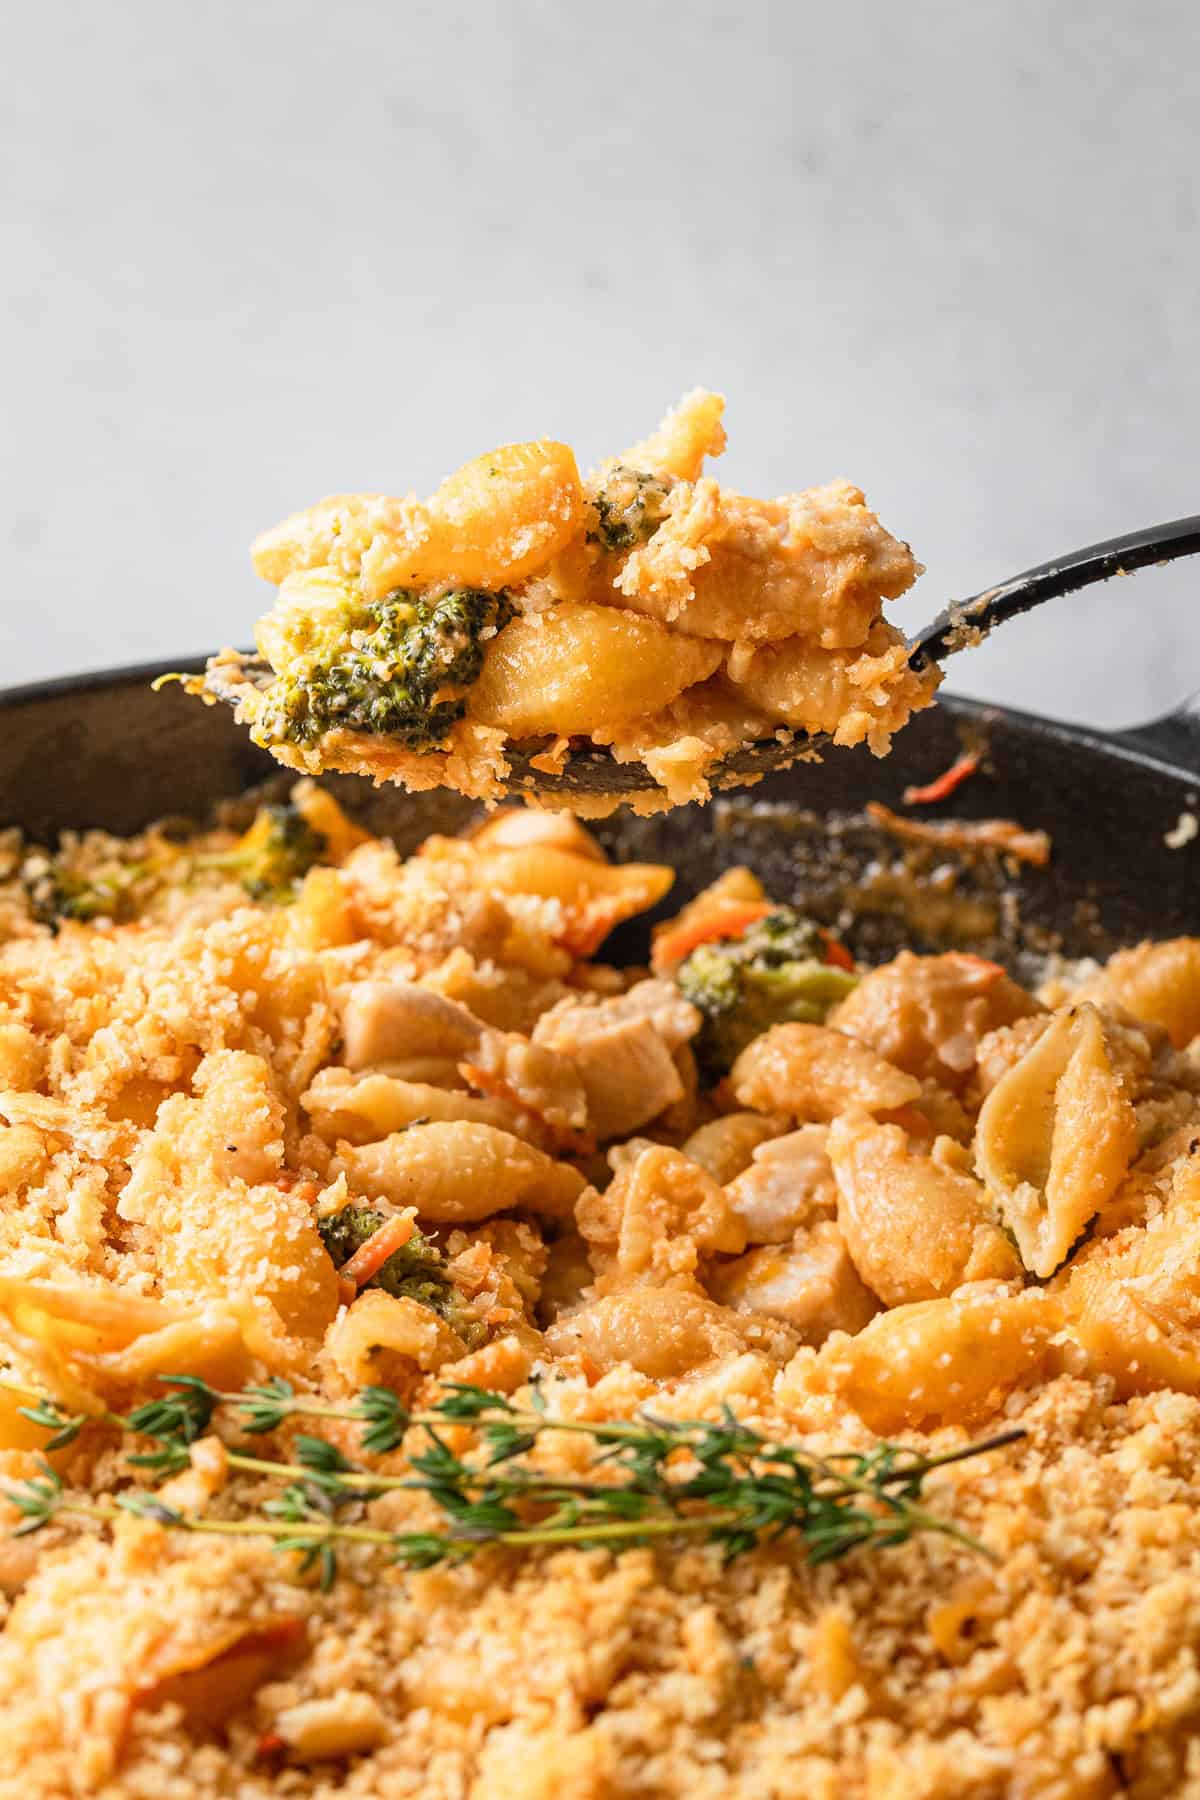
(718, 1481)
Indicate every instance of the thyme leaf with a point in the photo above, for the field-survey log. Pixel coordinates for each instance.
(717, 1480)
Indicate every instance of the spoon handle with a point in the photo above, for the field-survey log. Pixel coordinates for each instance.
(960, 623)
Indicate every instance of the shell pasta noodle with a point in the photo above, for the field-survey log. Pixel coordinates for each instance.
(436, 1360)
(645, 609)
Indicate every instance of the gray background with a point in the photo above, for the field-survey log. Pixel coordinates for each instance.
(258, 252)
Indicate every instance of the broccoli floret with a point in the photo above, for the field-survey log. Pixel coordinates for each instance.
(55, 892)
(277, 851)
(417, 1271)
(396, 668)
(776, 972)
(629, 508)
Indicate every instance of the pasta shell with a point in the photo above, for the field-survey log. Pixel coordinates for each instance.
(1055, 1138)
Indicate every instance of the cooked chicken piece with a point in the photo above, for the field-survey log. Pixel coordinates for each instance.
(531, 1075)
(927, 1014)
(628, 1074)
(384, 1021)
(658, 1002)
(789, 1185)
(622, 1050)
(811, 1284)
(1159, 983)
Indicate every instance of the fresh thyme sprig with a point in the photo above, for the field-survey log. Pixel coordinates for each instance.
(176, 1420)
(649, 1478)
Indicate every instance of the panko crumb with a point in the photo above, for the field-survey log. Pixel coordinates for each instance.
(188, 1094)
(1183, 832)
(645, 607)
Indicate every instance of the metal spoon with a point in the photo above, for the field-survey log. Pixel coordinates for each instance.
(593, 771)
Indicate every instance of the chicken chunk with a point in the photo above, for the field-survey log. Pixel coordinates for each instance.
(529, 1075)
(623, 1052)
(789, 1185)
(386, 1021)
(811, 1285)
(927, 1014)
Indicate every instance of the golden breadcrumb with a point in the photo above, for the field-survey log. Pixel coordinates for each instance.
(845, 1238)
(647, 608)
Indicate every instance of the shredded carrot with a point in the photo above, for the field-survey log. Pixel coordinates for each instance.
(982, 963)
(944, 786)
(288, 1182)
(370, 1257)
(728, 919)
(836, 954)
(1003, 835)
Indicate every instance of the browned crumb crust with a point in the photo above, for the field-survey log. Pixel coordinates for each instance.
(182, 1093)
(675, 629)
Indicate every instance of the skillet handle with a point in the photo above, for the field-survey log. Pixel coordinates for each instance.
(1174, 738)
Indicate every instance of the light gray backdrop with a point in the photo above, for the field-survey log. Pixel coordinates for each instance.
(254, 252)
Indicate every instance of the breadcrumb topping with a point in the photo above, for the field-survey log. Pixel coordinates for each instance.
(941, 1206)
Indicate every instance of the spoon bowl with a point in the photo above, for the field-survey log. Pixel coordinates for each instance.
(588, 771)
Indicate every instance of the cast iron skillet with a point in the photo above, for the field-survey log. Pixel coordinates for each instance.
(102, 750)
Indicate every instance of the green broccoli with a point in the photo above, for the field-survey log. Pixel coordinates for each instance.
(774, 973)
(417, 1271)
(629, 508)
(54, 892)
(274, 855)
(396, 668)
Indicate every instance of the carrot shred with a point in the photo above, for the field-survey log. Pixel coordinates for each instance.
(836, 954)
(982, 963)
(727, 920)
(370, 1257)
(1002, 835)
(945, 784)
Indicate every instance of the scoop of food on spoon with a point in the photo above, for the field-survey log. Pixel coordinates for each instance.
(642, 637)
